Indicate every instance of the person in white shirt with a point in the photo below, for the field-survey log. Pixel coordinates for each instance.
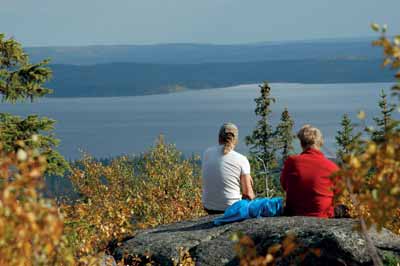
(225, 173)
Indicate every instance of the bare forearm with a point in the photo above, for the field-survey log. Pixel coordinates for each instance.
(247, 187)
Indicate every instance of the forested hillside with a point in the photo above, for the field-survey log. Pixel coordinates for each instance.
(128, 70)
(127, 79)
(207, 53)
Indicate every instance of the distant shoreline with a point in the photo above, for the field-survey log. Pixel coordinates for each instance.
(137, 70)
(107, 127)
(186, 90)
(134, 79)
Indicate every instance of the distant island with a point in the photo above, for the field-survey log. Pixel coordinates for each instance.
(130, 70)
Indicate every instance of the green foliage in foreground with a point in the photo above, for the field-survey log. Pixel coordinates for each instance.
(390, 259)
(19, 133)
(20, 80)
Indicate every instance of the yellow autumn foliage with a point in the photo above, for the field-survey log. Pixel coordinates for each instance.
(287, 252)
(370, 175)
(162, 187)
(170, 187)
(114, 200)
(31, 228)
(375, 185)
(103, 211)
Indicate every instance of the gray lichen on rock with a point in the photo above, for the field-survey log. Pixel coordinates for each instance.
(211, 245)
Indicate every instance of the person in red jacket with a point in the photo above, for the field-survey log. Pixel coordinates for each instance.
(306, 178)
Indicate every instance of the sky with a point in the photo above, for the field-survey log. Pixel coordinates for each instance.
(104, 22)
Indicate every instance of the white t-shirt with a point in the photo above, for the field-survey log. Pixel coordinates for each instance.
(221, 177)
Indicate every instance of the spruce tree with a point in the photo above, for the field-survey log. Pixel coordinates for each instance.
(346, 138)
(284, 134)
(262, 142)
(21, 80)
(384, 122)
(262, 139)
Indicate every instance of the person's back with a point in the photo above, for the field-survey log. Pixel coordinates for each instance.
(306, 178)
(221, 177)
(309, 189)
(225, 173)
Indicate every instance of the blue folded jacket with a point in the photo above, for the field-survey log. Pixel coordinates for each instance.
(246, 209)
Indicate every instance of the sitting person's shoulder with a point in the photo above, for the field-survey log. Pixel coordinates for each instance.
(331, 164)
(211, 149)
(238, 155)
(293, 158)
(210, 152)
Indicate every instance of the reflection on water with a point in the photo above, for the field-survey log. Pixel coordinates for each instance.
(129, 125)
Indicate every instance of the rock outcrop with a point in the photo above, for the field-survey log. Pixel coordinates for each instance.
(210, 245)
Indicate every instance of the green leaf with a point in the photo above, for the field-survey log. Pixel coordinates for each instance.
(375, 194)
(375, 27)
(361, 115)
(397, 40)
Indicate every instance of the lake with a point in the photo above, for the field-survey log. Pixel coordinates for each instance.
(129, 125)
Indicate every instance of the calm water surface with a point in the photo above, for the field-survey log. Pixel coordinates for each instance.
(129, 125)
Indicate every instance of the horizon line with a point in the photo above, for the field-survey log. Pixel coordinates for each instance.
(278, 42)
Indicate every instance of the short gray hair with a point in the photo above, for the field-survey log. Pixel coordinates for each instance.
(310, 137)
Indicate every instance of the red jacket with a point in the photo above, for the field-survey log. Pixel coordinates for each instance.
(306, 180)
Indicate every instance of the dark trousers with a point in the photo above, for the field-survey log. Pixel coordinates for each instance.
(211, 212)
